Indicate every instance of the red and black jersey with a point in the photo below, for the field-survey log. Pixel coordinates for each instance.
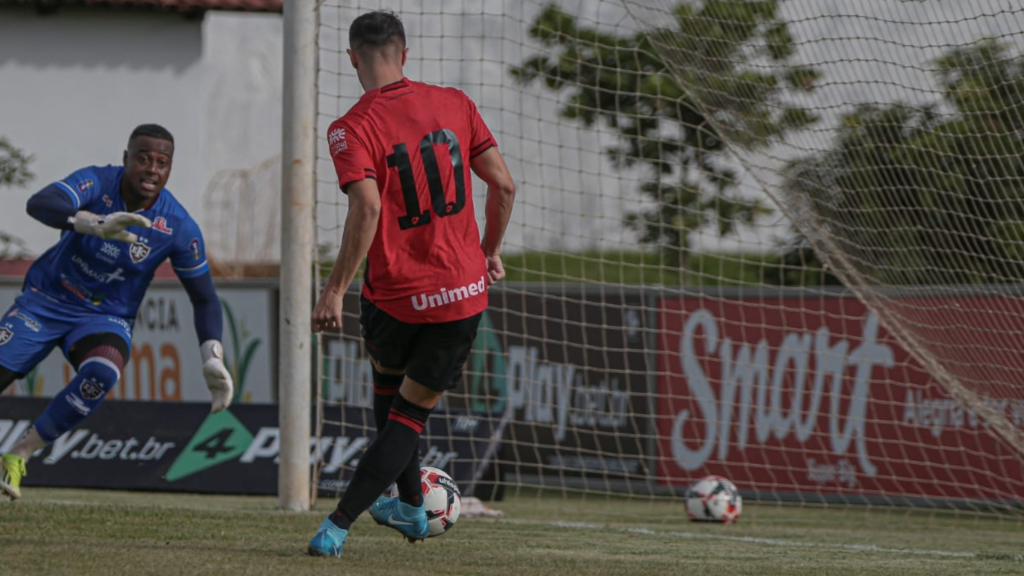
(416, 140)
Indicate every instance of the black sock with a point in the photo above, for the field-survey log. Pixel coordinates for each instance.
(383, 461)
(385, 389)
(408, 482)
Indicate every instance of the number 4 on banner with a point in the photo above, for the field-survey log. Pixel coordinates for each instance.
(221, 437)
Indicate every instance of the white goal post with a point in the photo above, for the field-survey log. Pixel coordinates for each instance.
(298, 161)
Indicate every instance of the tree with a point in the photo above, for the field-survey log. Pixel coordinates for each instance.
(916, 196)
(13, 172)
(13, 165)
(676, 95)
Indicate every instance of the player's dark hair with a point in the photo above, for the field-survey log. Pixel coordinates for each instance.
(151, 130)
(376, 29)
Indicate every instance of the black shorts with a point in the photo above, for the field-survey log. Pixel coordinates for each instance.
(431, 354)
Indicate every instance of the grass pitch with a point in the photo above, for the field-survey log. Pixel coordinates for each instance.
(80, 533)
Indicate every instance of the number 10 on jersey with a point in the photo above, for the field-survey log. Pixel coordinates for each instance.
(414, 214)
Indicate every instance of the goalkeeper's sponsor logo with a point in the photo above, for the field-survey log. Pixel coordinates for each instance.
(109, 252)
(160, 225)
(78, 405)
(336, 141)
(104, 277)
(138, 252)
(447, 296)
(93, 298)
(121, 322)
(30, 323)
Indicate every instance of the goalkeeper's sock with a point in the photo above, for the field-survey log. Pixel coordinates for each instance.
(387, 456)
(98, 372)
(385, 389)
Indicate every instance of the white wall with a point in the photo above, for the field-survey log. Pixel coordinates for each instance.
(73, 85)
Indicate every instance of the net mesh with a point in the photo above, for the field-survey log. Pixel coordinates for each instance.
(778, 242)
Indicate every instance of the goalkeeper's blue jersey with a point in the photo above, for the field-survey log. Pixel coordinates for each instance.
(110, 277)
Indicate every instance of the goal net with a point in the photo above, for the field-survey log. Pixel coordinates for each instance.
(781, 242)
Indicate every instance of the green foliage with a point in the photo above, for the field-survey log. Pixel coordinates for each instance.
(794, 267)
(243, 348)
(13, 172)
(13, 165)
(915, 196)
(675, 95)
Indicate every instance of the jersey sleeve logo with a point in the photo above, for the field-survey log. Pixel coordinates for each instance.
(336, 141)
(139, 251)
(193, 247)
(84, 186)
(160, 225)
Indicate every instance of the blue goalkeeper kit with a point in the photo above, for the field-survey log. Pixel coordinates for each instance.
(85, 284)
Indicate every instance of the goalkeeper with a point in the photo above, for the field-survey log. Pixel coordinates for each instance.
(118, 225)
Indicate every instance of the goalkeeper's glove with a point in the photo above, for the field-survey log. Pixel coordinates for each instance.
(218, 379)
(109, 226)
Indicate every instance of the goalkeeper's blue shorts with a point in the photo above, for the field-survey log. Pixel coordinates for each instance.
(36, 323)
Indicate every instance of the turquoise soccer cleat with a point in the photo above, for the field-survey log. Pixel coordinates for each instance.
(409, 520)
(328, 540)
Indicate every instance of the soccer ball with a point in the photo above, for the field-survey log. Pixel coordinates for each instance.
(713, 499)
(441, 498)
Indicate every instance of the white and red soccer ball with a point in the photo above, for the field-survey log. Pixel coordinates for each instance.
(441, 498)
(713, 499)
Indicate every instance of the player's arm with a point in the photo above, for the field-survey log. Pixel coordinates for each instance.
(188, 257)
(209, 320)
(53, 207)
(360, 228)
(207, 310)
(57, 206)
(501, 194)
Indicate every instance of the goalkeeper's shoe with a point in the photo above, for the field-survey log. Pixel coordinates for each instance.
(328, 540)
(410, 520)
(12, 470)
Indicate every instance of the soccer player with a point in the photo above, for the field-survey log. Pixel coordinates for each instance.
(403, 155)
(118, 224)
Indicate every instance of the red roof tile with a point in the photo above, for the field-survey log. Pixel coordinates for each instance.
(169, 5)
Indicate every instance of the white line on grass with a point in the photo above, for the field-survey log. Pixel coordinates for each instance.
(764, 541)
